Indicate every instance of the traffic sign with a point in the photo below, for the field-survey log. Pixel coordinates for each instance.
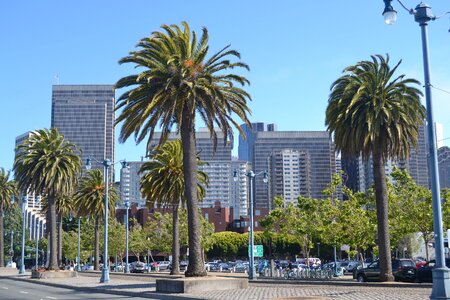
(257, 251)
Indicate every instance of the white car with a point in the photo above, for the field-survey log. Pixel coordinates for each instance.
(163, 265)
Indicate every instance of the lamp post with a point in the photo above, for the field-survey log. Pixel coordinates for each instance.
(318, 250)
(106, 164)
(105, 271)
(127, 207)
(11, 250)
(22, 257)
(251, 176)
(441, 274)
(37, 246)
(78, 250)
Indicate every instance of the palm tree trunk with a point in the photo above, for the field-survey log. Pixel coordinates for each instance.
(96, 246)
(196, 265)
(60, 237)
(53, 263)
(384, 244)
(175, 244)
(2, 241)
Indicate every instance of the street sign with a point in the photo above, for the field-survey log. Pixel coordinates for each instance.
(257, 251)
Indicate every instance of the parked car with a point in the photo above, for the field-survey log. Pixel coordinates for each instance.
(137, 267)
(183, 266)
(164, 265)
(87, 267)
(402, 269)
(240, 268)
(425, 273)
(352, 265)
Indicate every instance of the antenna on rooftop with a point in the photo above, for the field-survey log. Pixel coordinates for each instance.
(56, 77)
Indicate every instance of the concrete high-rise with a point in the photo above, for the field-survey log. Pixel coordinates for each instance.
(130, 179)
(444, 167)
(218, 167)
(360, 173)
(245, 147)
(313, 149)
(85, 115)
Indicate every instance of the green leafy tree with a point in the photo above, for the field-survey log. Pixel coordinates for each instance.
(373, 114)
(70, 245)
(138, 243)
(412, 209)
(13, 223)
(8, 190)
(89, 199)
(163, 184)
(358, 219)
(116, 238)
(46, 164)
(179, 82)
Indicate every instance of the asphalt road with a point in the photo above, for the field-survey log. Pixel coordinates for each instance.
(21, 290)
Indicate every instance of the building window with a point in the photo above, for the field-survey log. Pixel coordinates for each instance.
(257, 212)
(206, 217)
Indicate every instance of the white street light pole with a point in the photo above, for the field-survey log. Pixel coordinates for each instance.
(251, 176)
(22, 258)
(441, 274)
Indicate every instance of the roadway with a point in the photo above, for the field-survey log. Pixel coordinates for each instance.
(23, 290)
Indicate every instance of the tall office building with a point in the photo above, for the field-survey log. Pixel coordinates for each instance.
(130, 183)
(315, 150)
(85, 115)
(360, 173)
(35, 218)
(245, 147)
(239, 188)
(218, 166)
(290, 174)
(444, 167)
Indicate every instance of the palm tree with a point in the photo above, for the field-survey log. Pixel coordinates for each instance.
(373, 114)
(64, 206)
(89, 200)
(8, 190)
(179, 82)
(162, 183)
(46, 164)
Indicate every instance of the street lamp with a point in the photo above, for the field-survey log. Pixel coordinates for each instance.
(251, 175)
(78, 252)
(441, 274)
(22, 258)
(37, 246)
(105, 271)
(318, 250)
(11, 251)
(127, 207)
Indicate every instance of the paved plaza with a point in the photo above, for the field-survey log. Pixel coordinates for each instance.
(143, 286)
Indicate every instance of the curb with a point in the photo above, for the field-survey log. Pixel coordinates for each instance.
(342, 283)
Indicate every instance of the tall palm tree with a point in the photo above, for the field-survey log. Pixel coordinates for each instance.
(64, 206)
(162, 184)
(47, 164)
(8, 190)
(89, 201)
(177, 83)
(374, 114)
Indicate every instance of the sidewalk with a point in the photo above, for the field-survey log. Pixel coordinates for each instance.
(143, 285)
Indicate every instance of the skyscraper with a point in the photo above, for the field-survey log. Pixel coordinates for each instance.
(311, 149)
(360, 173)
(245, 148)
(218, 166)
(85, 115)
(444, 166)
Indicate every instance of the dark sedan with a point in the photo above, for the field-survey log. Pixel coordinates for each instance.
(402, 269)
(425, 273)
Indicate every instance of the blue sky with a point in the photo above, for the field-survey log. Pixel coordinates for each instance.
(295, 50)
